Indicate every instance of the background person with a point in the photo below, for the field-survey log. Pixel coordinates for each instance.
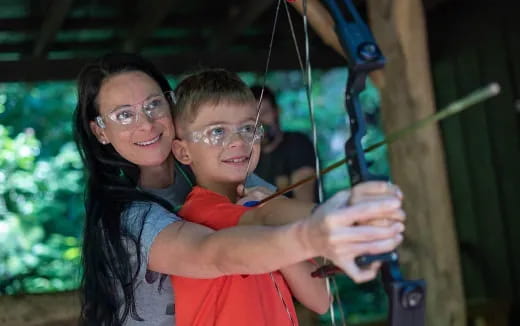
(287, 157)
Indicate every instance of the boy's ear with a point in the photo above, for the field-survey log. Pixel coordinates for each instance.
(181, 152)
(99, 133)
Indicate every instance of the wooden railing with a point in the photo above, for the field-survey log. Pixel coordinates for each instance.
(53, 309)
(62, 309)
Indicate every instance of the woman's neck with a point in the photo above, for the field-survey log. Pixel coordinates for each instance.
(158, 177)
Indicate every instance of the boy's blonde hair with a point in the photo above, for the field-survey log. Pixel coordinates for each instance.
(209, 86)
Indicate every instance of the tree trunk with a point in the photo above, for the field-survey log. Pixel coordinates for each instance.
(430, 250)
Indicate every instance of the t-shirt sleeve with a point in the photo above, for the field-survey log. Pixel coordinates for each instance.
(211, 211)
(156, 218)
(301, 152)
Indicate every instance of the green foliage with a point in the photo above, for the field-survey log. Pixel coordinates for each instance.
(40, 210)
(359, 303)
(44, 107)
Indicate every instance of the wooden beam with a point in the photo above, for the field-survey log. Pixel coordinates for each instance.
(431, 4)
(418, 164)
(61, 308)
(52, 23)
(32, 24)
(240, 19)
(40, 69)
(151, 18)
(110, 44)
(19, 24)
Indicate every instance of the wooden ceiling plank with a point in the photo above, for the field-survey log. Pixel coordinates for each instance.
(30, 70)
(431, 4)
(239, 20)
(51, 25)
(149, 20)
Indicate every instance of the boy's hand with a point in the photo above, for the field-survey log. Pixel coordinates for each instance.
(251, 194)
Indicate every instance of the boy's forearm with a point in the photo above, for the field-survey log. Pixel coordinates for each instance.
(279, 211)
(309, 291)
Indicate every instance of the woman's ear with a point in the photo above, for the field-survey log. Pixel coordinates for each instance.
(99, 133)
(181, 152)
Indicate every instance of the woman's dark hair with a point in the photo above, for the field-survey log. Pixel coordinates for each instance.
(111, 186)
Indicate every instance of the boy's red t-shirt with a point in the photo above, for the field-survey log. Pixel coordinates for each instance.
(251, 300)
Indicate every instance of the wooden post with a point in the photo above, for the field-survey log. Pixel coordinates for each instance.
(417, 162)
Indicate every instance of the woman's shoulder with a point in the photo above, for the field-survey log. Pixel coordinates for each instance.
(140, 215)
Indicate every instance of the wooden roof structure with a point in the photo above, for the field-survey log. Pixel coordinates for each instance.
(52, 39)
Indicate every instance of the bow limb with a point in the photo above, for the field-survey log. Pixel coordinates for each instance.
(323, 24)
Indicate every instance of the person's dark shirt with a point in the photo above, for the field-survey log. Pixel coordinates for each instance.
(294, 152)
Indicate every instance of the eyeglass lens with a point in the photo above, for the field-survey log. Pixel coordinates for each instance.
(154, 108)
(222, 135)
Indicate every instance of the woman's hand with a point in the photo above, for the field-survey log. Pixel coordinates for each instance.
(371, 190)
(341, 233)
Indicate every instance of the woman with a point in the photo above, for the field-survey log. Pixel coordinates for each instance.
(132, 237)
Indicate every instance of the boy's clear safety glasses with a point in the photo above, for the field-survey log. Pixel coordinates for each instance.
(223, 134)
(127, 116)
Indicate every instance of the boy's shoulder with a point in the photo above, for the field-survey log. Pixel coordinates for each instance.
(211, 209)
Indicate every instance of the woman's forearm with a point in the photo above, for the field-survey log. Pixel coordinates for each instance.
(333, 231)
(187, 249)
(279, 211)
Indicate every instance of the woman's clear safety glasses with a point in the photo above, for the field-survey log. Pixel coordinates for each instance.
(127, 116)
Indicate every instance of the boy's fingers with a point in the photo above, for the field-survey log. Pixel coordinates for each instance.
(241, 190)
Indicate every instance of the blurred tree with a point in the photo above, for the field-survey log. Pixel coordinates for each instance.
(44, 107)
(40, 210)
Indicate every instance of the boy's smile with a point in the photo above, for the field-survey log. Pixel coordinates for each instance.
(217, 145)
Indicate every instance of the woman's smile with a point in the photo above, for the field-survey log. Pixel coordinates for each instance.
(149, 142)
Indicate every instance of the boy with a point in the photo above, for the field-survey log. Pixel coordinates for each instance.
(215, 117)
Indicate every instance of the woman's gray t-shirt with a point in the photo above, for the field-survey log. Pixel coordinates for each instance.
(154, 299)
